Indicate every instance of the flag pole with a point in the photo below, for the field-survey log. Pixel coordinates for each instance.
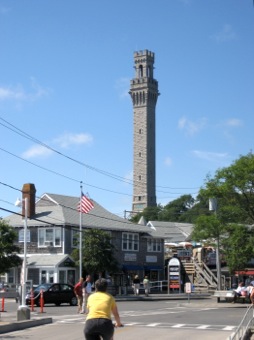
(80, 233)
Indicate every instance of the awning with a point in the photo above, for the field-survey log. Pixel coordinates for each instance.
(132, 267)
(153, 267)
(245, 272)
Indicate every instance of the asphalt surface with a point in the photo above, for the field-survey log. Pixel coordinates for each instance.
(9, 323)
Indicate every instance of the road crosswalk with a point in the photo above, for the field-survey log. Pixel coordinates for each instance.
(200, 327)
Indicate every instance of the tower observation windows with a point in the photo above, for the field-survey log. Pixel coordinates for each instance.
(140, 71)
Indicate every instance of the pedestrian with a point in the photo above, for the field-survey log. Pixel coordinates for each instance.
(79, 294)
(146, 284)
(136, 285)
(86, 291)
(238, 291)
(100, 305)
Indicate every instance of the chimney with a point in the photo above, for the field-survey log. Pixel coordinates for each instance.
(28, 192)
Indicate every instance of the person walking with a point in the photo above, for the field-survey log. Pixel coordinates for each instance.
(79, 294)
(86, 291)
(100, 305)
(136, 285)
(146, 284)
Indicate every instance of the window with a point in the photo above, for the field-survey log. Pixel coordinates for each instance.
(140, 73)
(49, 237)
(74, 239)
(130, 241)
(154, 245)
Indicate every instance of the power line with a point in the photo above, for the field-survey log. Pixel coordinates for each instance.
(105, 173)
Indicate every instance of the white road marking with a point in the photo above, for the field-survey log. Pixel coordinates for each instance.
(203, 327)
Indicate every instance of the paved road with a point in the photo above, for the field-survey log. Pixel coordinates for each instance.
(144, 320)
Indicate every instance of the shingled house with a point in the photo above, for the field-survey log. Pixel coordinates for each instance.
(52, 234)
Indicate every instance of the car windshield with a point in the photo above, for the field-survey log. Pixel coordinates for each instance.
(44, 287)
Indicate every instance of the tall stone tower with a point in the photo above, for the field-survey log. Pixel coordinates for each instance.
(144, 93)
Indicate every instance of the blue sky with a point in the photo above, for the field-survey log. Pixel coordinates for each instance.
(65, 71)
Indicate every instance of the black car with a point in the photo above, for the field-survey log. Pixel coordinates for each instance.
(56, 293)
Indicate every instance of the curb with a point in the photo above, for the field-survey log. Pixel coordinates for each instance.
(20, 325)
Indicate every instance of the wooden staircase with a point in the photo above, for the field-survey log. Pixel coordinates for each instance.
(200, 275)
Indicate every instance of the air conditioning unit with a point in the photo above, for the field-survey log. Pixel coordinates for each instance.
(48, 243)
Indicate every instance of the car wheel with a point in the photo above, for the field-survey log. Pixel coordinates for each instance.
(74, 301)
(57, 303)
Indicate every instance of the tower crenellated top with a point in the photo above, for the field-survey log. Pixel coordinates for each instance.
(144, 53)
(144, 61)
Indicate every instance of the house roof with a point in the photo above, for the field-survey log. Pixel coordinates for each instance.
(171, 231)
(54, 209)
(47, 260)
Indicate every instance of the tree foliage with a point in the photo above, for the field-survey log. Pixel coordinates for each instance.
(207, 228)
(233, 187)
(175, 209)
(149, 214)
(238, 246)
(8, 250)
(97, 251)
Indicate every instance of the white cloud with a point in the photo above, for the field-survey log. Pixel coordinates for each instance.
(69, 139)
(123, 87)
(168, 161)
(18, 93)
(37, 151)
(63, 142)
(191, 127)
(226, 34)
(210, 156)
(233, 122)
(8, 93)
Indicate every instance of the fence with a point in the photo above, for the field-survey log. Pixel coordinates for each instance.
(245, 325)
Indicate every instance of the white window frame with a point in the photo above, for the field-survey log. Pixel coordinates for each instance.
(154, 245)
(49, 237)
(130, 242)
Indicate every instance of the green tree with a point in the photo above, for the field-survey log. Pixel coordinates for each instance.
(174, 210)
(8, 250)
(97, 252)
(238, 246)
(233, 186)
(208, 229)
(149, 214)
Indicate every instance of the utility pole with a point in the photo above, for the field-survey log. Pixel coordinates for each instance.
(213, 207)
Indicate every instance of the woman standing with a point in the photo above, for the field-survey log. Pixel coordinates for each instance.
(136, 285)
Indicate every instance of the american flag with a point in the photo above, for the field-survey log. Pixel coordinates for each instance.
(85, 204)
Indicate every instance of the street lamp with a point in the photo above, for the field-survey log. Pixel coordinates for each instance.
(213, 207)
(23, 312)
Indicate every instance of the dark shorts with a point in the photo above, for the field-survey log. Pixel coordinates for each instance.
(94, 328)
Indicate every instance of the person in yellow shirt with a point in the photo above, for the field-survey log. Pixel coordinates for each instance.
(100, 305)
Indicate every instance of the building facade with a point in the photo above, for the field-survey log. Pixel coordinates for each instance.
(53, 227)
(144, 93)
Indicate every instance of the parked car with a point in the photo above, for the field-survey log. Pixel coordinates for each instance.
(56, 293)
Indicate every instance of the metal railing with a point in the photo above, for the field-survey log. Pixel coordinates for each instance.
(245, 325)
